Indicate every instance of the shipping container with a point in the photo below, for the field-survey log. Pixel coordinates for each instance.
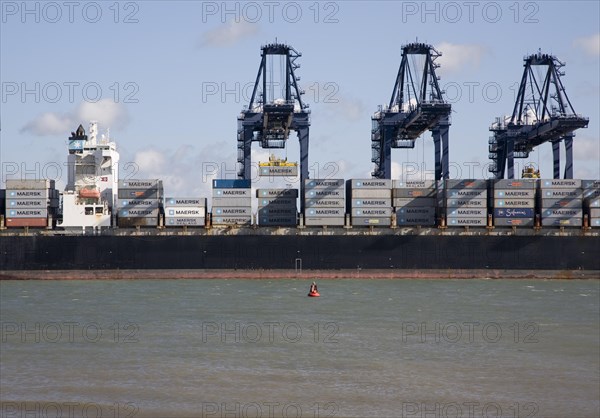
(591, 193)
(323, 184)
(268, 193)
(562, 222)
(138, 203)
(560, 183)
(560, 193)
(26, 213)
(415, 220)
(595, 213)
(412, 193)
(466, 184)
(413, 184)
(371, 221)
(231, 201)
(237, 192)
(371, 193)
(141, 184)
(27, 203)
(30, 194)
(514, 222)
(231, 211)
(593, 203)
(185, 201)
(372, 212)
(466, 203)
(231, 220)
(514, 213)
(278, 221)
(416, 210)
(595, 222)
(278, 171)
(139, 194)
(561, 203)
(514, 194)
(467, 221)
(169, 221)
(325, 194)
(370, 203)
(590, 184)
(528, 184)
(466, 193)
(415, 202)
(134, 212)
(475, 212)
(369, 183)
(185, 212)
(125, 222)
(562, 213)
(277, 201)
(325, 203)
(514, 203)
(39, 184)
(325, 212)
(277, 211)
(23, 222)
(324, 221)
(231, 184)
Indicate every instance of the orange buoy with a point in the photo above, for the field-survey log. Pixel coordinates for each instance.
(314, 294)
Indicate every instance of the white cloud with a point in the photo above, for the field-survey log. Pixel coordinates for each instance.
(150, 160)
(108, 114)
(229, 33)
(589, 44)
(586, 149)
(456, 57)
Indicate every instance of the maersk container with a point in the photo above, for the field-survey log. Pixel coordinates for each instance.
(26, 222)
(277, 211)
(138, 203)
(141, 184)
(475, 212)
(231, 184)
(414, 202)
(514, 213)
(125, 222)
(561, 203)
(595, 222)
(27, 213)
(29, 194)
(561, 193)
(593, 203)
(514, 194)
(231, 201)
(372, 212)
(185, 201)
(371, 221)
(370, 183)
(231, 220)
(562, 222)
(324, 221)
(466, 203)
(591, 193)
(139, 194)
(277, 201)
(324, 203)
(185, 211)
(467, 221)
(371, 193)
(323, 184)
(325, 212)
(370, 203)
(560, 183)
(562, 213)
(278, 221)
(415, 220)
(325, 193)
(413, 184)
(466, 184)
(514, 222)
(510, 184)
(595, 213)
(590, 184)
(39, 184)
(415, 210)
(233, 192)
(27, 203)
(135, 212)
(170, 221)
(278, 171)
(466, 193)
(413, 193)
(231, 211)
(271, 193)
(514, 203)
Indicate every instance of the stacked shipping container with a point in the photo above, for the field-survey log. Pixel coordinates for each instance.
(369, 202)
(466, 202)
(277, 207)
(139, 202)
(513, 202)
(415, 202)
(591, 199)
(324, 202)
(181, 211)
(232, 202)
(560, 202)
(30, 202)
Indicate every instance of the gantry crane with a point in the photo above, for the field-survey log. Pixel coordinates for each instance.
(275, 109)
(416, 105)
(542, 113)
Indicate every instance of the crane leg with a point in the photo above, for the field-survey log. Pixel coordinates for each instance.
(386, 164)
(510, 156)
(568, 157)
(303, 138)
(556, 155)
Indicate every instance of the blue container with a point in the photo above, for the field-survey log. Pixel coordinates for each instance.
(514, 213)
(231, 184)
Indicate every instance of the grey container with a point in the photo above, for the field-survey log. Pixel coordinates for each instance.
(466, 193)
(323, 184)
(369, 203)
(277, 201)
(474, 212)
(185, 212)
(38, 184)
(139, 194)
(277, 221)
(170, 221)
(561, 203)
(232, 193)
(231, 220)
(415, 220)
(370, 184)
(593, 203)
(562, 213)
(415, 211)
(514, 194)
(26, 213)
(514, 221)
(510, 184)
(415, 202)
(514, 203)
(135, 212)
(371, 221)
(560, 193)
(466, 184)
(324, 221)
(138, 203)
(371, 193)
(133, 222)
(590, 184)
(562, 222)
(560, 184)
(231, 211)
(278, 171)
(595, 213)
(29, 194)
(372, 212)
(467, 221)
(467, 203)
(231, 201)
(413, 193)
(325, 203)
(514, 213)
(141, 184)
(27, 203)
(595, 222)
(325, 193)
(277, 211)
(272, 193)
(591, 193)
(325, 212)
(414, 184)
(185, 201)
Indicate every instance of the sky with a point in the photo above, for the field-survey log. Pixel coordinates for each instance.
(169, 79)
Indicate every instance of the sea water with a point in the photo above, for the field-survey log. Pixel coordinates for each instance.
(247, 348)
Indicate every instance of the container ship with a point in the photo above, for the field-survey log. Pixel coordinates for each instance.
(101, 226)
